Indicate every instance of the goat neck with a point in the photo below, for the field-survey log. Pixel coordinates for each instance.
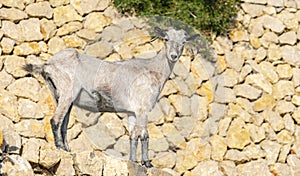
(164, 65)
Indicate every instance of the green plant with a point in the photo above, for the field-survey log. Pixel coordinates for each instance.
(205, 15)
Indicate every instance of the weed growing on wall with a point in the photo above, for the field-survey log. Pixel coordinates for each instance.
(208, 16)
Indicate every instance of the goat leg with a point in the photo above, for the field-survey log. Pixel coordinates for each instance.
(133, 147)
(59, 122)
(145, 144)
(56, 129)
(64, 129)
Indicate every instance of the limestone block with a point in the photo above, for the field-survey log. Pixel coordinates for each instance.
(29, 109)
(87, 6)
(49, 155)
(259, 81)
(31, 29)
(30, 128)
(27, 87)
(12, 30)
(93, 50)
(253, 10)
(185, 160)
(12, 14)
(273, 24)
(288, 38)
(64, 14)
(16, 165)
(247, 91)
(164, 160)
(207, 168)
(8, 105)
(39, 9)
(253, 168)
(12, 142)
(272, 150)
(283, 88)
(48, 28)
(237, 136)
(96, 21)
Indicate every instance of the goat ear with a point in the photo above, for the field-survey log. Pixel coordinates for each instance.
(193, 37)
(160, 33)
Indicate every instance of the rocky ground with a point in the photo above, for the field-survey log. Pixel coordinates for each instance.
(238, 116)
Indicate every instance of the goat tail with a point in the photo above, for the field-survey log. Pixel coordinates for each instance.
(34, 68)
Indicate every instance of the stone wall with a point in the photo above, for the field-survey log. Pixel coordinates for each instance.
(238, 116)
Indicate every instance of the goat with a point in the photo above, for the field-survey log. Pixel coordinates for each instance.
(131, 86)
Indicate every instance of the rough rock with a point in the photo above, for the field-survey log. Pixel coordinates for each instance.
(29, 109)
(88, 163)
(294, 163)
(93, 50)
(136, 37)
(219, 147)
(99, 135)
(56, 3)
(173, 136)
(273, 24)
(285, 137)
(290, 54)
(228, 78)
(164, 160)
(87, 34)
(283, 88)
(199, 107)
(185, 160)
(31, 29)
(247, 91)
(182, 104)
(259, 81)
(64, 14)
(96, 21)
(8, 104)
(18, 3)
(12, 142)
(237, 136)
(12, 14)
(253, 168)
(73, 41)
(239, 35)
(13, 65)
(7, 45)
(281, 169)
(12, 30)
(68, 28)
(55, 45)
(207, 168)
(268, 70)
(26, 88)
(31, 150)
(87, 6)
(49, 155)
(113, 123)
(272, 150)
(65, 166)
(234, 60)
(263, 103)
(253, 10)
(30, 128)
(16, 165)
(30, 48)
(39, 9)
(288, 38)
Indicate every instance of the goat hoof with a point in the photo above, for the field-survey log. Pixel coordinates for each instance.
(147, 164)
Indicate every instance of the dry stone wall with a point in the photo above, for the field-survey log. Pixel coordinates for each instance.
(238, 116)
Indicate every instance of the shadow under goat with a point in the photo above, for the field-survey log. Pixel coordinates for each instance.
(131, 86)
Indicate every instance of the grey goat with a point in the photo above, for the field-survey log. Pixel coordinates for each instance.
(131, 86)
